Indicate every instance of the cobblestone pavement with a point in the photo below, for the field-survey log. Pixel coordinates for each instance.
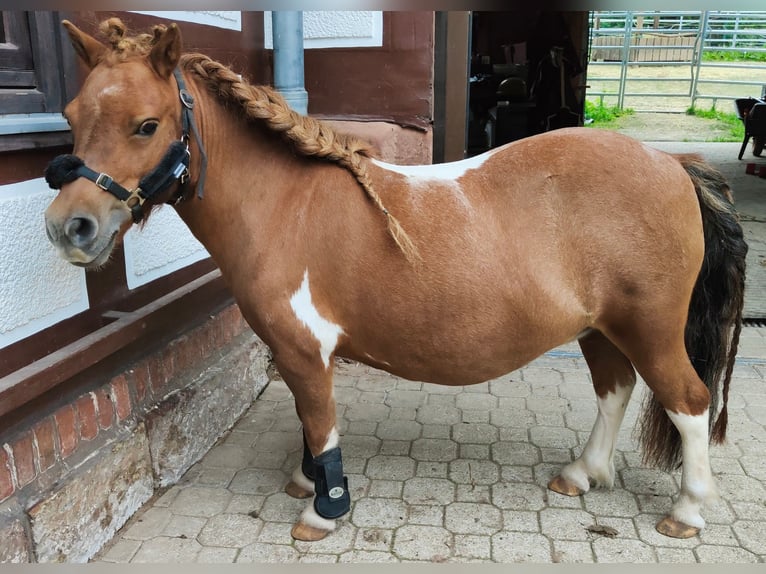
(441, 474)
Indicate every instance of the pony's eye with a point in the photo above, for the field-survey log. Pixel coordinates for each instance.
(148, 128)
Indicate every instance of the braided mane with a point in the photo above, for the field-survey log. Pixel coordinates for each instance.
(308, 136)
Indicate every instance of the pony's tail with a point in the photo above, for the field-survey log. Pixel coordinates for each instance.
(715, 313)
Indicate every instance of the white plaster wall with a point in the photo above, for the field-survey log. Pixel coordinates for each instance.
(37, 288)
(162, 246)
(221, 19)
(335, 29)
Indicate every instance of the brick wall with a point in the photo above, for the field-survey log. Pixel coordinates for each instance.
(39, 461)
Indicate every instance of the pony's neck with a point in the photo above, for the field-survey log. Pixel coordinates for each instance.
(248, 175)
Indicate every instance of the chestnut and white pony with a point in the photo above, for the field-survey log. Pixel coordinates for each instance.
(451, 274)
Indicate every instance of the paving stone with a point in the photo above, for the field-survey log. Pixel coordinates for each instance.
(275, 532)
(258, 481)
(163, 549)
(427, 543)
(473, 518)
(438, 414)
(215, 477)
(569, 552)
(280, 507)
(515, 496)
(565, 524)
(372, 412)
(618, 550)
(506, 387)
(752, 535)
(510, 547)
(210, 555)
(742, 489)
(471, 546)
(428, 491)
(675, 555)
(426, 515)
(318, 559)
(434, 449)
(120, 552)
(516, 473)
(379, 513)
(437, 431)
(521, 521)
(469, 416)
(398, 430)
(270, 553)
(476, 433)
(473, 493)
(395, 447)
(402, 414)
(552, 437)
(341, 540)
(432, 469)
(474, 451)
(373, 538)
(245, 504)
(749, 511)
(148, 524)
(515, 453)
(615, 502)
(363, 556)
(475, 401)
(406, 398)
(724, 554)
(648, 481)
(230, 531)
(474, 472)
(184, 526)
(386, 488)
(390, 467)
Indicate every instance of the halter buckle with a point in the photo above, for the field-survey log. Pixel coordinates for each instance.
(135, 199)
(104, 181)
(186, 98)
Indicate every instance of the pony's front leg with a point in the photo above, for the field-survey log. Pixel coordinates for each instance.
(320, 474)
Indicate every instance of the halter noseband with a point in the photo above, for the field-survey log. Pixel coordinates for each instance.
(174, 165)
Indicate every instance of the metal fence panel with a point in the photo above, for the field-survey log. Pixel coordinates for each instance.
(669, 61)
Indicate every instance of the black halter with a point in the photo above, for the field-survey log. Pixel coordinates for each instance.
(173, 166)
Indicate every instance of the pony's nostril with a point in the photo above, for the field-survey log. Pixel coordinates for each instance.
(81, 230)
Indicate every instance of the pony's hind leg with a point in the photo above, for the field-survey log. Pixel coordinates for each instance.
(675, 426)
(613, 380)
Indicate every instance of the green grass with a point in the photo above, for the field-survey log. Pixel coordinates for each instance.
(733, 56)
(735, 125)
(602, 114)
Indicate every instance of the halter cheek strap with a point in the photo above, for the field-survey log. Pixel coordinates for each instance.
(173, 166)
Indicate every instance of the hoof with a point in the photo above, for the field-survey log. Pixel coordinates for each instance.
(562, 486)
(297, 491)
(302, 531)
(675, 529)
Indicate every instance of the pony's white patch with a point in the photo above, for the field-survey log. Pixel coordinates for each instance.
(332, 440)
(111, 90)
(450, 171)
(302, 480)
(596, 462)
(310, 517)
(697, 484)
(324, 331)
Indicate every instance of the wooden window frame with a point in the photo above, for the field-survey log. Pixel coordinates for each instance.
(40, 78)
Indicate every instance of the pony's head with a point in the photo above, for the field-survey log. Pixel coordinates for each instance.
(126, 122)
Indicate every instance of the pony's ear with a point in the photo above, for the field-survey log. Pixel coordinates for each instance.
(167, 51)
(87, 47)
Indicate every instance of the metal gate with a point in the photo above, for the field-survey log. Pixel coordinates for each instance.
(669, 61)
